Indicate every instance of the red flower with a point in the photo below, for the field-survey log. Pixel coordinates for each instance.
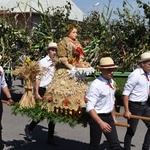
(78, 101)
(50, 99)
(66, 101)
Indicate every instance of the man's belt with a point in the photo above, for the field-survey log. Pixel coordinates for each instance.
(138, 103)
(104, 114)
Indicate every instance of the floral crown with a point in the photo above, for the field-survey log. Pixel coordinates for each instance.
(69, 28)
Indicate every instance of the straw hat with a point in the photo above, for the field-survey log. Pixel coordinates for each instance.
(106, 63)
(145, 56)
(51, 45)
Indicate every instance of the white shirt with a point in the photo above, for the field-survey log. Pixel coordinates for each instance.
(137, 86)
(100, 96)
(3, 83)
(48, 76)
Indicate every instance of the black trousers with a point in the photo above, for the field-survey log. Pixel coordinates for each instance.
(1, 112)
(51, 125)
(96, 133)
(140, 110)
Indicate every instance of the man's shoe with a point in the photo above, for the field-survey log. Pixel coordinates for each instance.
(28, 134)
(52, 142)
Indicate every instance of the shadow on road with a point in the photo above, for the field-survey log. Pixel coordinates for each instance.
(39, 142)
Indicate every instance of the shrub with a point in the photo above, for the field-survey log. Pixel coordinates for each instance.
(120, 82)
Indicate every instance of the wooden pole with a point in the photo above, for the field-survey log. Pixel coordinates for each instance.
(4, 101)
(122, 124)
(134, 116)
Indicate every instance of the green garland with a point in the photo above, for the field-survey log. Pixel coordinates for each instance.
(37, 113)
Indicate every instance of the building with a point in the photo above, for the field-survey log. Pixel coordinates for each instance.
(25, 11)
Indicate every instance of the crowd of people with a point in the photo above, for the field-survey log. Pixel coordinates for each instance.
(100, 94)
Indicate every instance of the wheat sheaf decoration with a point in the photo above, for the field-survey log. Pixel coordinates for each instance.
(28, 70)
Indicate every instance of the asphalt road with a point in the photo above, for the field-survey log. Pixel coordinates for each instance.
(69, 138)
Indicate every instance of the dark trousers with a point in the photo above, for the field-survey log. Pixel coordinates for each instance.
(96, 133)
(1, 112)
(140, 110)
(51, 125)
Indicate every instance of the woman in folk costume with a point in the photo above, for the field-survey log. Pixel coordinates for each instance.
(69, 85)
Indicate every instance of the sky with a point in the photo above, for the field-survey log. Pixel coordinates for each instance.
(97, 5)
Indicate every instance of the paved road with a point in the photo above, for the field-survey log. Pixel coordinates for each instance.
(76, 138)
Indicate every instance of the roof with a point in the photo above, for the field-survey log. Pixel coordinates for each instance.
(27, 5)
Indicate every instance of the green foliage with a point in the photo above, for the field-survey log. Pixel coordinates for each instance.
(120, 83)
(38, 113)
(9, 41)
(124, 38)
(118, 94)
(16, 41)
(129, 45)
(50, 28)
(146, 8)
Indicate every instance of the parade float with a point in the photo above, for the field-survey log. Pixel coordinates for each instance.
(65, 102)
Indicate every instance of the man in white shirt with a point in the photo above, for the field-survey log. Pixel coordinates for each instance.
(4, 88)
(100, 106)
(40, 88)
(135, 96)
